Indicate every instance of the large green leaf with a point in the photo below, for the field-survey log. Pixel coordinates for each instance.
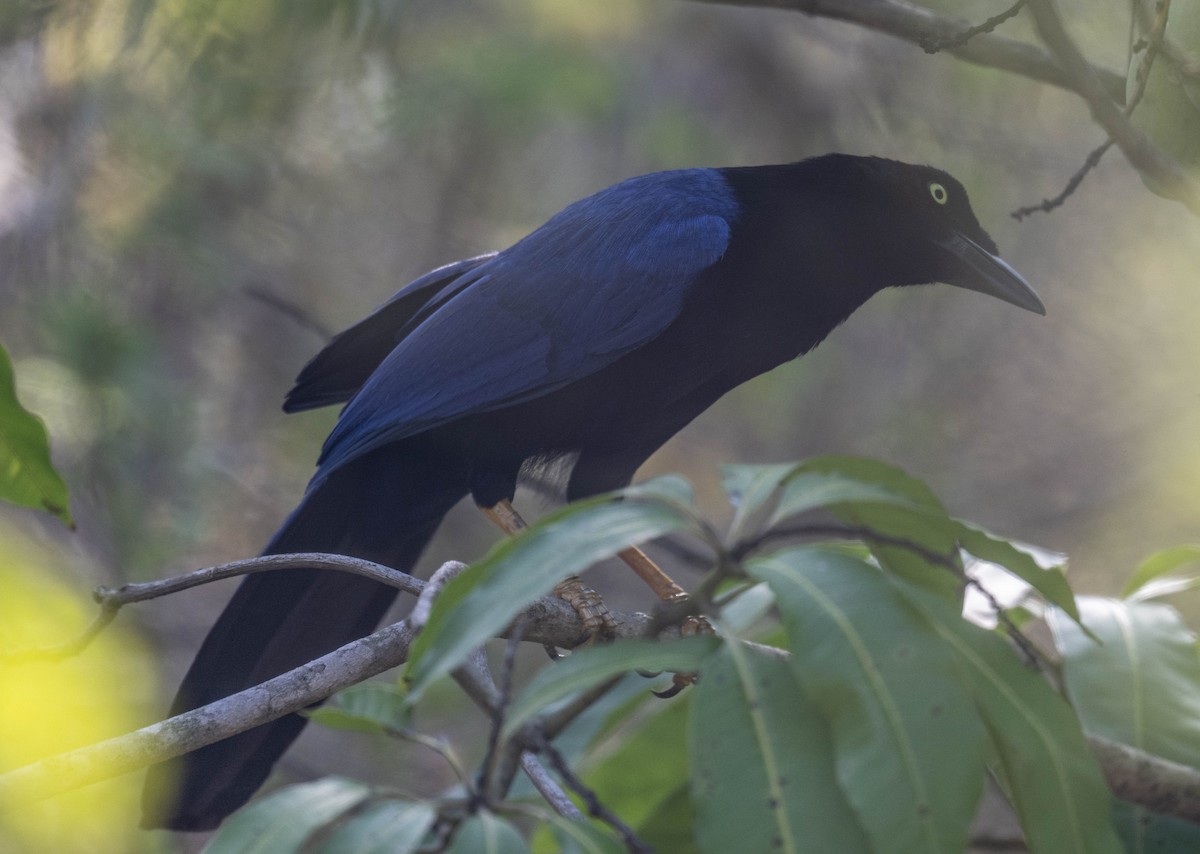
(763, 772)
(908, 745)
(27, 477)
(1140, 685)
(478, 604)
(284, 820)
(750, 489)
(1059, 793)
(582, 837)
(638, 766)
(486, 833)
(587, 667)
(386, 827)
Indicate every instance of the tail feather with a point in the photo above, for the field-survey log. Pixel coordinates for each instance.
(384, 507)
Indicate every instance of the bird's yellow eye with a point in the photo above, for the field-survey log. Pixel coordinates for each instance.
(938, 192)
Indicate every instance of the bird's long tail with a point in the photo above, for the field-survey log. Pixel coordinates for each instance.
(382, 507)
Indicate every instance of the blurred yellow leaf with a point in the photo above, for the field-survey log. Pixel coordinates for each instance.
(48, 707)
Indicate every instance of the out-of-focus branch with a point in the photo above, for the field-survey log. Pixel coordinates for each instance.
(923, 26)
(1169, 178)
(111, 600)
(1149, 781)
(548, 620)
(286, 693)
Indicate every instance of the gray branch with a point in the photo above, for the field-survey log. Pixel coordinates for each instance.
(923, 26)
(1159, 168)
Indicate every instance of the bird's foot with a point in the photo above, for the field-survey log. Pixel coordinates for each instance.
(693, 624)
(598, 621)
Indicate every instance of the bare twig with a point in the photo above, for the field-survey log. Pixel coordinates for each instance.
(595, 806)
(918, 25)
(1047, 205)
(111, 600)
(442, 576)
(548, 788)
(933, 45)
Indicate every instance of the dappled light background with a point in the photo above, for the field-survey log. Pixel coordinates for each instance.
(195, 194)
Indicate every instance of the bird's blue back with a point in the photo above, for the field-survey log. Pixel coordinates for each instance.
(601, 278)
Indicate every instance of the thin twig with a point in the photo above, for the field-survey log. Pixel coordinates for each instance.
(595, 806)
(487, 768)
(442, 576)
(1047, 205)
(933, 45)
(111, 600)
(1157, 34)
(548, 787)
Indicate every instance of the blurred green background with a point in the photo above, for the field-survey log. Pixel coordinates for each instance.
(194, 194)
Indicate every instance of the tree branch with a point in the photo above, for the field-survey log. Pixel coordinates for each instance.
(111, 600)
(1157, 784)
(1169, 178)
(550, 620)
(923, 27)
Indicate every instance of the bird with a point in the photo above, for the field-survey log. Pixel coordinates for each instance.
(594, 339)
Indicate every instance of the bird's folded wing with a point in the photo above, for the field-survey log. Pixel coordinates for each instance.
(339, 370)
(605, 276)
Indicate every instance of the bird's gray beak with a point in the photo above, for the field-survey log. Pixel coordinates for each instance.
(976, 269)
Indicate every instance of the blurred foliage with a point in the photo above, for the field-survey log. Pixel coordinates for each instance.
(195, 193)
(26, 475)
(48, 707)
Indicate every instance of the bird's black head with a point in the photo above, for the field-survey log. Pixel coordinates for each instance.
(924, 229)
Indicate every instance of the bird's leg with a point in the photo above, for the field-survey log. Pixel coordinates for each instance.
(667, 591)
(597, 619)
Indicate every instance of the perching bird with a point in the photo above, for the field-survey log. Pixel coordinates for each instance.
(598, 336)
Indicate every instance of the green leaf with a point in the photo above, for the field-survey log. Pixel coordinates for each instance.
(809, 490)
(1144, 831)
(27, 477)
(284, 820)
(883, 499)
(763, 771)
(840, 475)
(908, 746)
(486, 833)
(668, 488)
(1059, 793)
(642, 761)
(385, 827)
(592, 665)
(750, 489)
(480, 602)
(372, 708)
(669, 827)
(1049, 581)
(581, 837)
(1159, 564)
(1140, 685)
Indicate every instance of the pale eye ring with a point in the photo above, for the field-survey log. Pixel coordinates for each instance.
(938, 192)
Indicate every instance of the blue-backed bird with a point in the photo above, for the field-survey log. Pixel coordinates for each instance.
(595, 338)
